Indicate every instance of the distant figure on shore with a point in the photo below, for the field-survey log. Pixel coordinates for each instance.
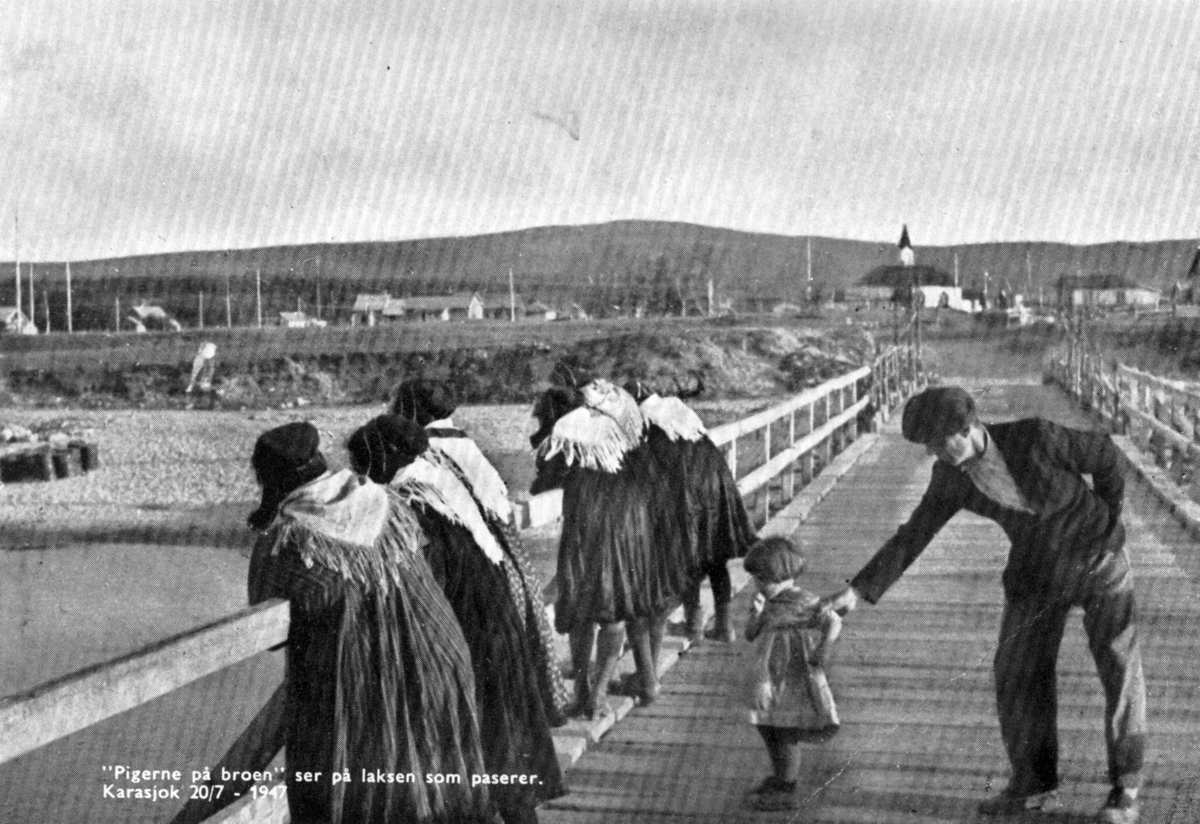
(719, 527)
(201, 382)
(379, 675)
(469, 563)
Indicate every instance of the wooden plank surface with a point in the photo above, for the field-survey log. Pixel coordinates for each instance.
(913, 676)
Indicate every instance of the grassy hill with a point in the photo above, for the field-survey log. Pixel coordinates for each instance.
(606, 268)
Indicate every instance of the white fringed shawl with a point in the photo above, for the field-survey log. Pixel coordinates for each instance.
(429, 481)
(349, 524)
(673, 417)
(599, 434)
(489, 488)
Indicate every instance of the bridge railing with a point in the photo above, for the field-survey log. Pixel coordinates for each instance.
(798, 436)
(1161, 416)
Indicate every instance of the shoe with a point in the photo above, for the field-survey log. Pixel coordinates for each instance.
(1008, 803)
(773, 794)
(1121, 808)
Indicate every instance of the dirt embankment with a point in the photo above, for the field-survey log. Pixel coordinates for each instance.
(725, 363)
(170, 475)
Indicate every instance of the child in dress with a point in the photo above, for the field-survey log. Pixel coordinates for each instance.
(788, 695)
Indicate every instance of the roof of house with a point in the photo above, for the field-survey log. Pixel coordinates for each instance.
(436, 303)
(1101, 281)
(365, 302)
(903, 276)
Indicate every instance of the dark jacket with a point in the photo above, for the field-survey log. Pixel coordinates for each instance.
(1053, 548)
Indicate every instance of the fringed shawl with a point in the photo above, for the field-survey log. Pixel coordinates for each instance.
(673, 417)
(347, 523)
(485, 482)
(605, 396)
(591, 439)
(430, 481)
(404, 688)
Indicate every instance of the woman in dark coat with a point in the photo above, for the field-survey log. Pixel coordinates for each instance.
(431, 403)
(379, 677)
(718, 524)
(619, 560)
(469, 563)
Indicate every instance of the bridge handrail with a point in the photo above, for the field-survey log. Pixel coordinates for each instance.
(65, 705)
(1124, 395)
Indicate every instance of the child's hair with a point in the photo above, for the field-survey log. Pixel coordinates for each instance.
(775, 559)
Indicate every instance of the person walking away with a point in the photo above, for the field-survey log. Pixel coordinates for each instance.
(617, 550)
(787, 693)
(378, 673)
(468, 562)
(719, 526)
(1067, 550)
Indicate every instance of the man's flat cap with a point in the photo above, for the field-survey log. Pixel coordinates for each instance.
(936, 414)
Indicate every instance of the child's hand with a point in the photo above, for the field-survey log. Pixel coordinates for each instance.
(759, 602)
(842, 602)
(762, 696)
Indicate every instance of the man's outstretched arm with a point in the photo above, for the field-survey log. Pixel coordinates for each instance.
(895, 556)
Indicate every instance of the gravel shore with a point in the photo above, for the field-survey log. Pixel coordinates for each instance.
(184, 476)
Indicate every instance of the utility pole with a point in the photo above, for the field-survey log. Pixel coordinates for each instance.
(258, 295)
(808, 290)
(228, 306)
(17, 262)
(512, 297)
(46, 308)
(200, 309)
(70, 322)
(117, 314)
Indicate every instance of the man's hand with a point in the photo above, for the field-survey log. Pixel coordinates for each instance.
(843, 602)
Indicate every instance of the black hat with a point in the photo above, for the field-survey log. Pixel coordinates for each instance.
(549, 407)
(572, 377)
(424, 400)
(284, 458)
(936, 414)
(776, 558)
(385, 445)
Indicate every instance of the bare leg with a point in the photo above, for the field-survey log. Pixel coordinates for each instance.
(645, 654)
(582, 641)
(608, 654)
(694, 613)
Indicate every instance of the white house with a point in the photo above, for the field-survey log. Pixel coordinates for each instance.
(13, 321)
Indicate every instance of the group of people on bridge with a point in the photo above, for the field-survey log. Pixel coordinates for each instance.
(422, 681)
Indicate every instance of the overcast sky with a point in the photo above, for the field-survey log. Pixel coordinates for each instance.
(134, 127)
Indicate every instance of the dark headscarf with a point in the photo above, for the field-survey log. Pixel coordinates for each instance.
(776, 559)
(552, 405)
(638, 389)
(385, 445)
(570, 377)
(424, 400)
(284, 459)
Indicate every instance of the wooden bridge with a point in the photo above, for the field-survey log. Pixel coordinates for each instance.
(919, 743)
